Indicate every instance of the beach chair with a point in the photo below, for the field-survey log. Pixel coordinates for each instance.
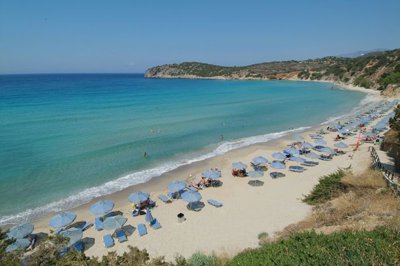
(78, 247)
(108, 241)
(215, 203)
(98, 224)
(142, 230)
(121, 236)
(155, 224)
(135, 212)
(165, 198)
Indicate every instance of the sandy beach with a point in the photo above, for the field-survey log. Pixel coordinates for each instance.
(247, 211)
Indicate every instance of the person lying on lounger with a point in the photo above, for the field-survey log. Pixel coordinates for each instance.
(201, 183)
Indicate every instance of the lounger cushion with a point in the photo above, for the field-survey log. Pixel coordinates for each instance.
(165, 198)
(98, 223)
(215, 203)
(108, 241)
(142, 230)
(120, 234)
(155, 224)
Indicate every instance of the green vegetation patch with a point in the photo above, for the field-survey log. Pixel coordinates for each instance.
(328, 187)
(377, 247)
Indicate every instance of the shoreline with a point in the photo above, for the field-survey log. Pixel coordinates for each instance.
(198, 159)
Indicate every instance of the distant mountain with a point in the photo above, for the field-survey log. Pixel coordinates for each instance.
(363, 53)
(375, 69)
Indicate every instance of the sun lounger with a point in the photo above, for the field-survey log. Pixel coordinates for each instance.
(215, 203)
(195, 206)
(296, 169)
(120, 234)
(135, 212)
(142, 230)
(108, 241)
(58, 231)
(191, 188)
(155, 224)
(165, 198)
(98, 224)
(78, 247)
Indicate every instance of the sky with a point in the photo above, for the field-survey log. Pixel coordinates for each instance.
(129, 36)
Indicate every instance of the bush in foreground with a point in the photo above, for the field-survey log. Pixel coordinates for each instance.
(377, 247)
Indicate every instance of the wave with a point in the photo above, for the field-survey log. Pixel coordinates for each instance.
(370, 100)
(137, 178)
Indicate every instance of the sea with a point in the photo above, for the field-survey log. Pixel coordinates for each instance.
(68, 138)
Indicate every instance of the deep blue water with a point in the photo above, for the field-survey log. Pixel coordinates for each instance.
(61, 134)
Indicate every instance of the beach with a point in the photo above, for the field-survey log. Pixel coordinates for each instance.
(247, 211)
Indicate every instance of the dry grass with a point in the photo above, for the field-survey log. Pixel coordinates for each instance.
(366, 205)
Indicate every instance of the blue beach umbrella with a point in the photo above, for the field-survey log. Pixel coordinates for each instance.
(307, 145)
(312, 155)
(239, 165)
(149, 218)
(320, 141)
(212, 174)
(291, 151)
(297, 137)
(279, 155)
(297, 159)
(176, 186)
(102, 207)
(255, 173)
(21, 243)
(74, 235)
(278, 165)
(138, 197)
(20, 231)
(260, 160)
(114, 222)
(62, 219)
(191, 196)
(341, 145)
(328, 150)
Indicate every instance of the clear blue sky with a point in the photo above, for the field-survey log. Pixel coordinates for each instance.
(72, 36)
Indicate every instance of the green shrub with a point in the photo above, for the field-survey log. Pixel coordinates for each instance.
(328, 187)
(362, 82)
(377, 247)
(392, 78)
(200, 259)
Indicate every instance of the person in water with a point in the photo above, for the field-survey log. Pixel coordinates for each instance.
(145, 154)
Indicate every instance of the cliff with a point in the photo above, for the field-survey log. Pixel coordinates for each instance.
(378, 70)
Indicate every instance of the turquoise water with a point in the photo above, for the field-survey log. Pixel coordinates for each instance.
(62, 134)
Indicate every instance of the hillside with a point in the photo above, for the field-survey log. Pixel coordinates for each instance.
(378, 70)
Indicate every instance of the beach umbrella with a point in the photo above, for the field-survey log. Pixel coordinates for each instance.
(297, 159)
(239, 165)
(74, 235)
(291, 151)
(20, 231)
(279, 155)
(191, 196)
(102, 207)
(149, 217)
(176, 186)
(62, 219)
(278, 165)
(327, 150)
(255, 183)
(138, 197)
(260, 160)
(21, 243)
(212, 174)
(312, 155)
(114, 222)
(255, 173)
(297, 137)
(341, 145)
(316, 136)
(307, 145)
(320, 141)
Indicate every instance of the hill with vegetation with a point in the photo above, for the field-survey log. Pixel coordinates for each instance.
(392, 139)
(377, 70)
